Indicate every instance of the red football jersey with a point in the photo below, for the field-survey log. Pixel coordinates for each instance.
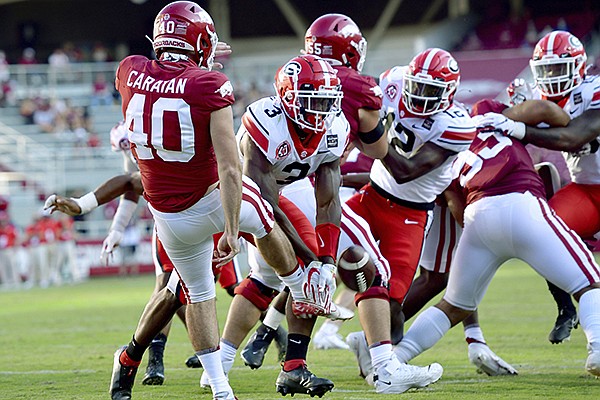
(167, 107)
(496, 165)
(360, 91)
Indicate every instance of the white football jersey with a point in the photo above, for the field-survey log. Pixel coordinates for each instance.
(292, 160)
(451, 129)
(584, 165)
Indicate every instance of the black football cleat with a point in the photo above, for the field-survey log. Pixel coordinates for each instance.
(301, 380)
(193, 362)
(122, 379)
(256, 348)
(155, 371)
(566, 321)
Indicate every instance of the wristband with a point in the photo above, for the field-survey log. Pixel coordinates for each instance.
(87, 202)
(123, 215)
(519, 130)
(328, 238)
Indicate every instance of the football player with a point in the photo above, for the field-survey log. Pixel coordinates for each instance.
(427, 133)
(285, 138)
(506, 200)
(178, 114)
(337, 39)
(558, 65)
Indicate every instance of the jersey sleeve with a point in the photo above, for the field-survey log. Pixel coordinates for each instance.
(367, 92)
(214, 90)
(390, 83)
(595, 97)
(267, 140)
(455, 130)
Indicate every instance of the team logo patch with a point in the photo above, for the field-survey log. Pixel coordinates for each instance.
(226, 89)
(428, 123)
(577, 99)
(452, 65)
(391, 91)
(575, 42)
(283, 150)
(332, 141)
(292, 68)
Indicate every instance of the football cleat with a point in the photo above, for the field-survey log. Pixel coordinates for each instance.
(193, 362)
(256, 348)
(357, 342)
(396, 377)
(224, 396)
(301, 380)
(592, 364)
(325, 341)
(281, 342)
(487, 361)
(566, 321)
(122, 379)
(155, 371)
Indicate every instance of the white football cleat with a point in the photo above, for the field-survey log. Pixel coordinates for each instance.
(396, 377)
(487, 361)
(358, 344)
(592, 364)
(339, 313)
(325, 340)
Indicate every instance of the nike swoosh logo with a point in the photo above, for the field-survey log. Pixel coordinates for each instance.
(321, 242)
(573, 111)
(385, 382)
(409, 222)
(295, 341)
(415, 127)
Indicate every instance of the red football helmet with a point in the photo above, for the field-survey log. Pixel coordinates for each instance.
(186, 26)
(558, 63)
(310, 92)
(430, 82)
(336, 38)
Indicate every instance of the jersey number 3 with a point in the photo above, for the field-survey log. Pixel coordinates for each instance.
(143, 146)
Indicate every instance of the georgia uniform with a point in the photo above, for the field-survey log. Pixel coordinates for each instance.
(406, 207)
(268, 127)
(578, 203)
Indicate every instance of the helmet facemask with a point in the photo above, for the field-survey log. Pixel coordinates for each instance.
(556, 76)
(313, 109)
(426, 96)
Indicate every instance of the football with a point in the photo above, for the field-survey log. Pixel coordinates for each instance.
(356, 269)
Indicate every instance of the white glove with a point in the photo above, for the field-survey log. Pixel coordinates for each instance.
(519, 91)
(110, 243)
(503, 125)
(488, 362)
(319, 280)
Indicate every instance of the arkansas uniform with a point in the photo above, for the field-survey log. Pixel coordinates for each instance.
(167, 107)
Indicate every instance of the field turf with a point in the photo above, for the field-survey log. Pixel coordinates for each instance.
(58, 343)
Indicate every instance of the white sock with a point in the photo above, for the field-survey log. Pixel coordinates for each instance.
(294, 282)
(429, 327)
(273, 318)
(589, 316)
(211, 362)
(228, 352)
(474, 332)
(380, 354)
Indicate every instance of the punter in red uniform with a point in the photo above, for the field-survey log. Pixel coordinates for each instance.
(506, 217)
(179, 118)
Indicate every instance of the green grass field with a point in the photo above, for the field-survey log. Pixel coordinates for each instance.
(58, 343)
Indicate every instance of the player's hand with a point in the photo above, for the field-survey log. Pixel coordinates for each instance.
(222, 50)
(228, 247)
(503, 125)
(110, 243)
(319, 280)
(519, 91)
(63, 204)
